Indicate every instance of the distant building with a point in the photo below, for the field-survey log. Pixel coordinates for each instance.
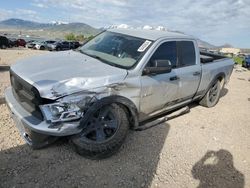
(245, 51)
(234, 51)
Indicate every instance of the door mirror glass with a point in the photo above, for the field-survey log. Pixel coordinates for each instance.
(161, 63)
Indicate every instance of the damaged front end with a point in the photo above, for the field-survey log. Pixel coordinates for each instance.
(72, 107)
(66, 109)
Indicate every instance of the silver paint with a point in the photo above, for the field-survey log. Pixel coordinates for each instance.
(67, 74)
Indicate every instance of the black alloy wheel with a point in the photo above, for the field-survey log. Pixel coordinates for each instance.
(101, 126)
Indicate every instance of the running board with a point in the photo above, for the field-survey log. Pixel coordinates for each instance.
(4, 68)
(162, 119)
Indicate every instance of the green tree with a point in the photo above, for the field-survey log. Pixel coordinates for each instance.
(80, 38)
(70, 36)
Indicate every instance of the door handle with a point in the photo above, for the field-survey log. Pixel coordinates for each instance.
(196, 73)
(174, 78)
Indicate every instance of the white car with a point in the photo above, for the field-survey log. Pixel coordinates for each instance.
(43, 45)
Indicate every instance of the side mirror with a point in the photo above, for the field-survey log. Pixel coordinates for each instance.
(158, 67)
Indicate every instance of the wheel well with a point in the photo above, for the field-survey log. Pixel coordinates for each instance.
(221, 78)
(131, 116)
(127, 105)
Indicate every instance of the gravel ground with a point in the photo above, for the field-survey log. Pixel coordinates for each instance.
(204, 148)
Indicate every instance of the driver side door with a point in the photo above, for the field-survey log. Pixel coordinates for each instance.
(158, 90)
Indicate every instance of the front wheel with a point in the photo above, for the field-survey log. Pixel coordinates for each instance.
(103, 134)
(212, 96)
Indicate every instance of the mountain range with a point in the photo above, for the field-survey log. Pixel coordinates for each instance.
(60, 29)
(55, 29)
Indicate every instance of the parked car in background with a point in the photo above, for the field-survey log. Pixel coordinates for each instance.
(30, 44)
(60, 45)
(4, 42)
(21, 42)
(13, 42)
(44, 45)
(75, 44)
(63, 45)
(246, 62)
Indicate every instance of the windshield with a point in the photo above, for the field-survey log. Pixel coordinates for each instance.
(116, 49)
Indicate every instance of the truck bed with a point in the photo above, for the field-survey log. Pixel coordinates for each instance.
(213, 65)
(207, 57)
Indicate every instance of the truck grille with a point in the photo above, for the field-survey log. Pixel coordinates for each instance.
(27, 95)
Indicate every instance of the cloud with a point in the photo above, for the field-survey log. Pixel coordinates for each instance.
(39, 5)
(26, 14)
(215, 21)
(4, 14)
(178, 14)
(208, 19)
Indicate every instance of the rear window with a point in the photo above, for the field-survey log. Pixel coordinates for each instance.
(186, 53)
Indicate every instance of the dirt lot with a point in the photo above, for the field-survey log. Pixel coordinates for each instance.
(205, 148)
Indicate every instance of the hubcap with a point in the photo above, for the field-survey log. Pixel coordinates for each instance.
(101, 126)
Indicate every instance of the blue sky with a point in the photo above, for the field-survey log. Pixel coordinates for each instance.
(215, 21)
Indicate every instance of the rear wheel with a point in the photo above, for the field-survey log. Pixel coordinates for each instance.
(103, 134)
(42, 48)
(212, 96)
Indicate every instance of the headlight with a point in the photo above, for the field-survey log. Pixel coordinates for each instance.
(66, 109)
(58, 112)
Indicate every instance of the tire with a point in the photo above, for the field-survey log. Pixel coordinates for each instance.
(58, 49)
(98, 140)
(212, 96)
(3, 46)
(42, 48)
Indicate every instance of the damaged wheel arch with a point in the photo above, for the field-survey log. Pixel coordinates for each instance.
(127, 105)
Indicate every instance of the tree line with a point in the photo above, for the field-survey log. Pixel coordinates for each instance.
(80, 38)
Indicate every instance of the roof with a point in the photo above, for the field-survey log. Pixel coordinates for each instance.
(150, 34)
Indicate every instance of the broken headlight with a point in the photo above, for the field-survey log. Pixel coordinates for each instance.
(66, 109)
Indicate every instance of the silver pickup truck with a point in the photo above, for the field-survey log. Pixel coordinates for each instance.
(120, 78)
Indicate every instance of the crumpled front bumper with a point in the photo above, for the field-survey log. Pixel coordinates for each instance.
(25, 121)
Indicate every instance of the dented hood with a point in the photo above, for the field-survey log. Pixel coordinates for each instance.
(61, 73)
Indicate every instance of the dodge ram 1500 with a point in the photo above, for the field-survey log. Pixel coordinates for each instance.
(96, 93)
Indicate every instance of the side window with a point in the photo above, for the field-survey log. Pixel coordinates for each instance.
(166, 51)
(186, 53)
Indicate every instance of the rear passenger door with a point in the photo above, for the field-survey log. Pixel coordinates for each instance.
(188, 71)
